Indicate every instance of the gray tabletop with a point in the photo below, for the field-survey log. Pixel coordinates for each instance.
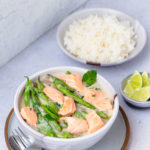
(45, 53)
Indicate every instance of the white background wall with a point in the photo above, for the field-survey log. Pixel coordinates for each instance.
(23, 21)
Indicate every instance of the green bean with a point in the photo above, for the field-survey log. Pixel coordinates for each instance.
(64, 135)
(35, 84)
(83, 111)
(61, 82)
(79, 115)
(27, 92)
(36, 103)
(53, 122)
(45, 128)
(53, 107)
(103, 115)
(64, 124)
(72, 95)
(42, 86)
(47, 109)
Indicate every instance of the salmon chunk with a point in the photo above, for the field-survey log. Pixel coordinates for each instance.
(73, 80)
(98, 99)
(75, 125)
(94, 121)
(54, 94)
(68, 108)
(29, 115)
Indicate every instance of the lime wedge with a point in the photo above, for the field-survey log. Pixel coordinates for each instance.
(141, 94)
(149, 81)
(134, 82)
(145, 79)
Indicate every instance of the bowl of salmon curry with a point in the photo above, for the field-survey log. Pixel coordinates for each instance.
(66, 107)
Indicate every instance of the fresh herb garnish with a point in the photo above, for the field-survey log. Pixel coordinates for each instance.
(82, 97)
(93, 95)
(90, 77)
(98, 89)
(58, 105)
(68, 72)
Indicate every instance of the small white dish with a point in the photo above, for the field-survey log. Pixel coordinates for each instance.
(139, 30)
(81, 143)
(131, 101)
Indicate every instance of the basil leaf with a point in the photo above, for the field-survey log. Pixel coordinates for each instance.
(90, 77)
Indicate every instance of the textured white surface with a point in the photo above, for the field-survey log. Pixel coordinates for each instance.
(46, 53)
(23, 21)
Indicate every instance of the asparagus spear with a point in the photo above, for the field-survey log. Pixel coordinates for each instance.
(78, 99)
(45, 128)
(36, 105)
(35, 84)
(103, 115)
(64, 124)
(52, 106)
(47, 109)
(42, 86)
(43, 125)
(27, 92)
(72, 95)
(53, 122)
(64, 135)
(79, 115)
(61, 82)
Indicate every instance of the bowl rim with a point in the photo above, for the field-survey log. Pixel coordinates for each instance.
(128, 98)
(36, 133)
(96, 63)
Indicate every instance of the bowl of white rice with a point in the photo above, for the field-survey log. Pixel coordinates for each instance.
(101, 36)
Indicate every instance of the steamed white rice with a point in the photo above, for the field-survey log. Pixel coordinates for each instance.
(100, 39)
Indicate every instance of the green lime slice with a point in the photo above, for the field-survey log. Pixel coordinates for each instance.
(149, 81)
(134, 82)
(141, 94)
(145, 79)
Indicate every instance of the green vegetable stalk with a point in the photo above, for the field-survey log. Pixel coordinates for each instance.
(52, 106)
(61, 82)
(79, 115)
(72, 95)
(27, 92)
(102, 115)
(42, 86)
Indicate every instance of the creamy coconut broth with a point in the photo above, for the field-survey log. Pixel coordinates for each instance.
(66, 105)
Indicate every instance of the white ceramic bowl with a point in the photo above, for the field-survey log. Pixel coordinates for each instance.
(52, 143)
(129, 100)
(139, 30)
